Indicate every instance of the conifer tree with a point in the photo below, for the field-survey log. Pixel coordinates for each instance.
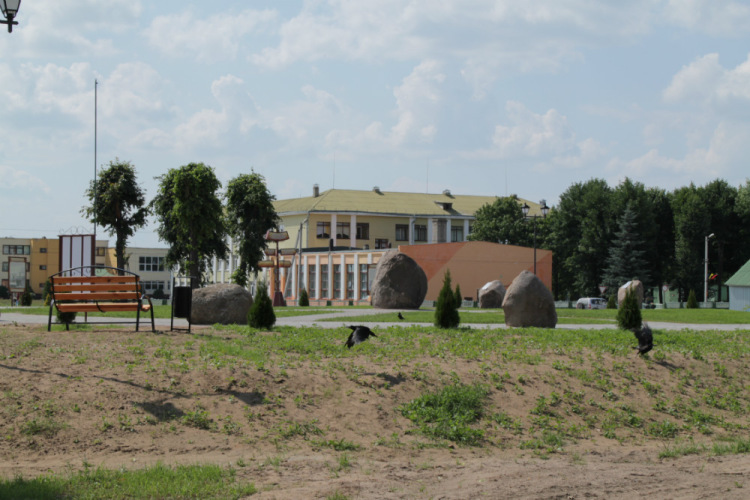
(629, 314)
(261, 313)
(626, 259)
(446, 312)
(692, 301)
(304, 298)
(458, 297)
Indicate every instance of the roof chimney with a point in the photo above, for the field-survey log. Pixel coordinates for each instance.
(447, 192)
(376, 189)
(316, 190)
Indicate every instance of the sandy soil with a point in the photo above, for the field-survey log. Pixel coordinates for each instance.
(116, 398)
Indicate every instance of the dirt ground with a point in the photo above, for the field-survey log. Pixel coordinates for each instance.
(307, 428)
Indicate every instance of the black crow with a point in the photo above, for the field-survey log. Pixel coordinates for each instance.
(400, 316)
(645, 339)
(359, 334)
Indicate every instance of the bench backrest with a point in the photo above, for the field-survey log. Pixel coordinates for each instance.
(76, 288)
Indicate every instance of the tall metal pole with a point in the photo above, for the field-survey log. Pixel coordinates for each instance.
(96, 84)
(705, 270)
(534, 246)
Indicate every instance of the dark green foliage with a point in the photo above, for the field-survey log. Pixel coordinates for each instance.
(118, 204)
(261, 313)
(4, 292)
(629, 314)
(47, 293)
(65, 317)
(446, 312)
(692, 302)
(159, 294)
(190, 217)
(612, 302)
(26, 296)
(250, 214)
(459, 299)
(499, 223)
(626, 259)
(304, 298)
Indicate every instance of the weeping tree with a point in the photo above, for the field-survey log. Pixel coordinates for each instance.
(190, 217)
(118, 204)
(250, 213)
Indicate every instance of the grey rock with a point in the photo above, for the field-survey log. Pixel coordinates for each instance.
(223, 303)
(491, 295)
(635, 285)
(528, 303)
(399, 282)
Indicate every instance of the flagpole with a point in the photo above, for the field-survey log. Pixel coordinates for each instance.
(96, 83)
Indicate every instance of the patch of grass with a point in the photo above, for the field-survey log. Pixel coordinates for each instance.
(448, 413)
(160, 481)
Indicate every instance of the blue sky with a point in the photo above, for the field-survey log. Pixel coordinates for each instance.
(479, 97)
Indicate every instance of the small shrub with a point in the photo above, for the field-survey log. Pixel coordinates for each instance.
(261, 313)
(459, 299)
(159, 294)
(612, 302)
(65, 317)
(26, 297)
(446, 312)
(47, 293)
(4, 292)
(629, 314)
(692, 302)
(304, 298)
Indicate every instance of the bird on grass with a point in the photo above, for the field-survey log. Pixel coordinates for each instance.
(359, 334)
(400, 316)
(645, 339)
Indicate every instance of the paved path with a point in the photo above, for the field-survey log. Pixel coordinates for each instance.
(327, 319)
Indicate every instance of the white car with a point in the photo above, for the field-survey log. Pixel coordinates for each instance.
(591, 303)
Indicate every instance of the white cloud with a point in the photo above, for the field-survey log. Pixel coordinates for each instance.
(716, 17)
(532, 134)
(21, 181)
(706, 81)
(207, 39)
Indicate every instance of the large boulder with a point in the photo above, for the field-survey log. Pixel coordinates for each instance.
(399, 282)
(223, 303)
(529, 303)
(635, 285)
(491, 295)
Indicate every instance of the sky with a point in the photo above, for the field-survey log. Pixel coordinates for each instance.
(479, 97)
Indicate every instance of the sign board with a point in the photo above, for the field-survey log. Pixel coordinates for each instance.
(665, 288)
(602, 289)
(17, 274)
(76, 250)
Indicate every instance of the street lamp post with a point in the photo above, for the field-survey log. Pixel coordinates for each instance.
(10, 11)
(545, 210)
(705, 270)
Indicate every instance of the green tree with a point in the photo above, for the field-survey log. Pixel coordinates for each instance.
(250, 213)
(118, 204)
(662, 268)
(304, 298)
(446, 312)
(190, 217)
(692, 225)
(459, 299)
(47, 292)
(626, 254)
(501, 222)
(27, 297)
(720, 199)
(629, 314)
(261, 313)
(692, 302)
(580, 230)
(4, 292)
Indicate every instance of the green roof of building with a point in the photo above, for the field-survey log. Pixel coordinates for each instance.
(390, 203)
(741, 277)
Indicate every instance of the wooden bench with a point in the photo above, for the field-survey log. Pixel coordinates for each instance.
(98, 289)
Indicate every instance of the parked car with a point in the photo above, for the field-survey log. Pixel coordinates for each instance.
(591, 303)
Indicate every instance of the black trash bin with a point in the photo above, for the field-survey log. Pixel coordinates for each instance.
(182, 299)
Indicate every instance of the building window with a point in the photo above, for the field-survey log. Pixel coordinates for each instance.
(101, 251)
(363, 231)
(364, 289)
(381, 243)
(402, 232)
(324, 230)
(42, 267)
(337, 281)
(324, 281)
(149, 287)
(420, 232)
(312, 286)
(5, 267)
(152, 264)
(350, 281)
(442, 230)
(17, 249)
(43, 250)
(457, 233)
(342, 230)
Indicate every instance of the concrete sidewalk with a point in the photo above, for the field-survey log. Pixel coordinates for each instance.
(328, 318)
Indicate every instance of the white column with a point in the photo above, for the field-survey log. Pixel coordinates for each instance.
(333, 228)
(356, 276)
(353, 232)
(466, 229)
(430, 231)
(343, 277)
(317, 277)
(411, 230)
